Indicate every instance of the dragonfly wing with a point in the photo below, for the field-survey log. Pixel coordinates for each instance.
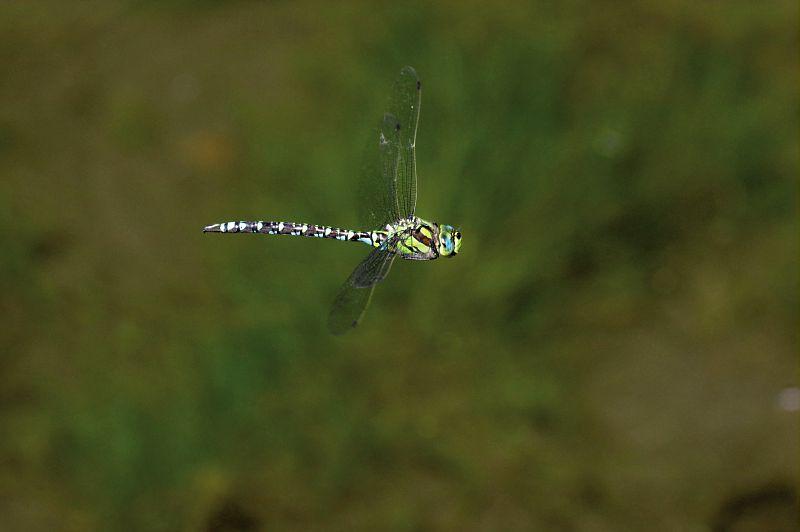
(388, 178)
(349, 308)
(377, 195)
(404, 106)
(355, 294)
(375, 266)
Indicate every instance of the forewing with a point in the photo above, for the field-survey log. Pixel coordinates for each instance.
(404, 107)
(377, 193)
(355, 294)
(388, 179)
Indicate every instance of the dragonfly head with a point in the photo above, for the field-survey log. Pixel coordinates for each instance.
(449, 241)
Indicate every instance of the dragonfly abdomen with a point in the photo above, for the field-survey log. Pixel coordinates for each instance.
(372, 238)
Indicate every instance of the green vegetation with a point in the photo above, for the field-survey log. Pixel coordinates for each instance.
(606, 353)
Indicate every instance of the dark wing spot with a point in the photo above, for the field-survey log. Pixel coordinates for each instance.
(419, 84)
(397, 126)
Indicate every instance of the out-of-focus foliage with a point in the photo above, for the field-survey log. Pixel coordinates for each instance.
(606, 353)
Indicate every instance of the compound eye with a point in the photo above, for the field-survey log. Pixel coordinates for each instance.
(458, 234)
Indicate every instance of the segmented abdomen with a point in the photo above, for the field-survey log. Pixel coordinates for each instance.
(374, 238)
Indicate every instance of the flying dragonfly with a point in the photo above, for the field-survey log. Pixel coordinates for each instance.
(388, 198)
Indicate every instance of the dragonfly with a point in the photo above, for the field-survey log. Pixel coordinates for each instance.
(388, 198)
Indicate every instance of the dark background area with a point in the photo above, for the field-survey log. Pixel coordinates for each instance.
(614, 349)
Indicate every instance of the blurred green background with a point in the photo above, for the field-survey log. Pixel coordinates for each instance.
(614, 349)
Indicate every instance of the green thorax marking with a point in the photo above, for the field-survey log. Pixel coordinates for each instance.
(413, 238)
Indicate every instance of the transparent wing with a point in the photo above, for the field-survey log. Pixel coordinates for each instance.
(377, 196)
(389, 178)
(388, 192)
(404, 105)
(355, 294)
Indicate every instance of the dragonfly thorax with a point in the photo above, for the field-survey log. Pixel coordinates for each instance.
(418, 239)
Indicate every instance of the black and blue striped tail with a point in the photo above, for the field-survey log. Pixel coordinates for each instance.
(294, 229)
